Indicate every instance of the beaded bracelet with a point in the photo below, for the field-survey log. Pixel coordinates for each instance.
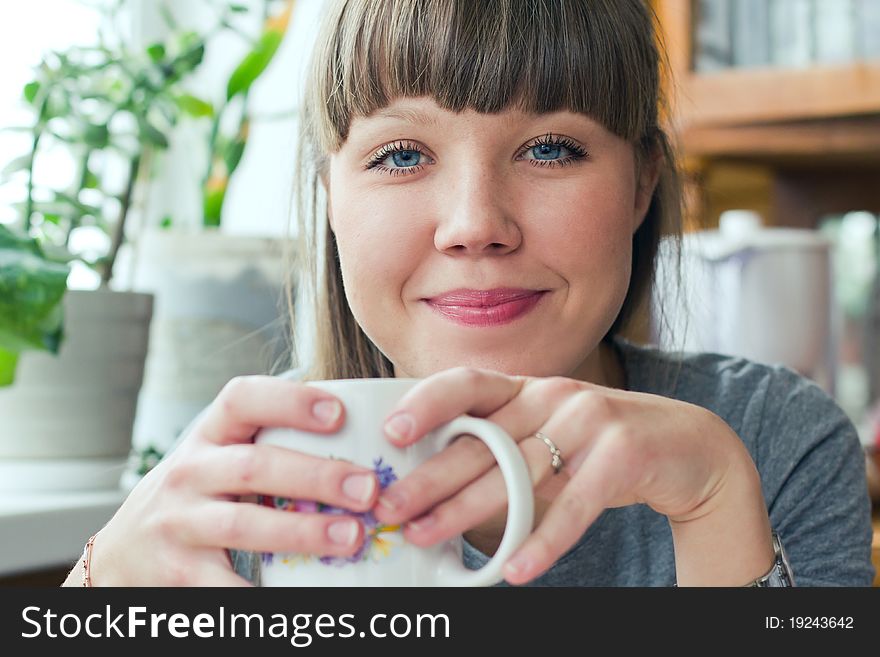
(86, 563)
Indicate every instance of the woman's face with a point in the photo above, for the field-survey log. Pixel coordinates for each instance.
(500, 241)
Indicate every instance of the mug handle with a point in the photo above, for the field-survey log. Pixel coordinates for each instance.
(520, 505)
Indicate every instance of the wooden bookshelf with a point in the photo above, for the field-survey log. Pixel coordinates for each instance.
(795, 144)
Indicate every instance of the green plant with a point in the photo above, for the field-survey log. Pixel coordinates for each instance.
(31, 288)
(110, 109)
(226, 150)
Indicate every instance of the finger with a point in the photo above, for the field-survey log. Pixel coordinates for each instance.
(446, 395)
(434, 480)
(256, 528)
(586, 495)
(272, 470)
(572, 409)
(250, 402)
(482, 500)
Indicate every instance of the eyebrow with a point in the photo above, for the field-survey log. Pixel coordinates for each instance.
(406, 114)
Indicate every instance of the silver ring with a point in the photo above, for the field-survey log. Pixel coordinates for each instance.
(555, 455)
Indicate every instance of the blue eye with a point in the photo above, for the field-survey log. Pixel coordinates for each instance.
(406, 158)
(399, 158)
(553, 151)
(546, 151)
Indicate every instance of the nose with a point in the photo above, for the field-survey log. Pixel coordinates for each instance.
(474, 219)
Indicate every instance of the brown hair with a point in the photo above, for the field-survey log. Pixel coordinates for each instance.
(596, 57)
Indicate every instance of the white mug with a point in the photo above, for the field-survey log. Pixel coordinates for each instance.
(385, 558)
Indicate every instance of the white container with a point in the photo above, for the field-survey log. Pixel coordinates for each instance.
(219, 314)
(81, 403)
(760, 293)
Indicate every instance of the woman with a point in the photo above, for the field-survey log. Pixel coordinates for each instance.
(497, 181)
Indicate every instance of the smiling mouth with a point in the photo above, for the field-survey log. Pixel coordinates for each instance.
(475, 311)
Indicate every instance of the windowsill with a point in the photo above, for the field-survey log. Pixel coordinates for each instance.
(44, 530)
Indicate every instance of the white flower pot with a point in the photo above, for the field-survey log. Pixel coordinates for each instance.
(218, 315)
(81, 403)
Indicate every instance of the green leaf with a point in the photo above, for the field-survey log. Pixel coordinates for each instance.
(194, 106)
(166, 222)
(8, 361)
(21, 163)
(31, 291)
(254, 63)
(156, 52)
(232, 155)
(150, 134)
(14, 241)
(31, 89)
(188, 60)
(167, 16)
(73, 202)
(91, 180)
(96, 136)
(238, 9)
(213, 206)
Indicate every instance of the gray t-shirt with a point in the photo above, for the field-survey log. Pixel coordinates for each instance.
(806, 450)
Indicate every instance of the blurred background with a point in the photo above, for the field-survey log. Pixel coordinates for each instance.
(147, 150)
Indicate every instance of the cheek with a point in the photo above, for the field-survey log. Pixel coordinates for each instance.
(376, 251)
(588, 229)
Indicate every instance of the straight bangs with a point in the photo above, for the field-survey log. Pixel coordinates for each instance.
(595, 58)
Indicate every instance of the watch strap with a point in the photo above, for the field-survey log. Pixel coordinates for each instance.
(780, 574)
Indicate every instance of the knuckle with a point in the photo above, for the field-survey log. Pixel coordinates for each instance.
(542, 546)
(323, 479)
(288, 532)
(246, 463)
(419, 484)
(178, 475)
(166, 526)
(555, 387)
(469, 376)
(471, 447)
(178, 573)
(620, 443)
(571, 504)
(230, 525)
(593, 406)
(232, 391)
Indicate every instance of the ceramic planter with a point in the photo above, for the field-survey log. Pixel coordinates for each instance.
(218, 315)
(79, 405)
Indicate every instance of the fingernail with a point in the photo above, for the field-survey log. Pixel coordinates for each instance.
(327, 411)
(517, 564)
(359, 487)
(343, 532)
(423, 523)
(399, 426)
(392, 500)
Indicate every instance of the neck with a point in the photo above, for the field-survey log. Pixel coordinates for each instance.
(602, 367)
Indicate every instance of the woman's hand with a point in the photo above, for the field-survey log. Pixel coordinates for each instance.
(619, 448)
(175, 525)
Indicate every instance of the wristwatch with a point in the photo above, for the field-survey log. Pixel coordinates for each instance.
(780, 573)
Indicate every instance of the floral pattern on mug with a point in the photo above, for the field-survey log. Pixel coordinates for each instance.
(378, 543)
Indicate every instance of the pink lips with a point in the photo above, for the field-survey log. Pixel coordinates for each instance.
(485, 307)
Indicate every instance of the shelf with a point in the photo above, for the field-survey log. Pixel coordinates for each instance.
(740, 96)
(808, 144)
(764, 95)
(44, 530)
